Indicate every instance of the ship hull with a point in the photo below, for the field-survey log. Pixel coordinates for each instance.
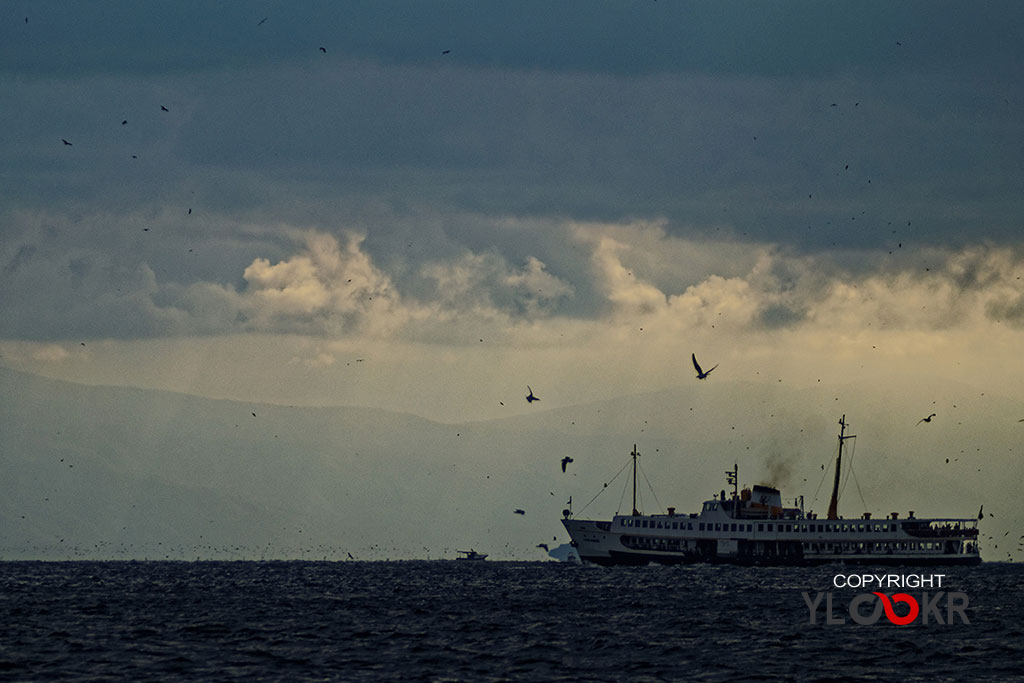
(639, 559)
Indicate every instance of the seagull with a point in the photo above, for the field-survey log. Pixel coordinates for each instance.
(324, 50)
(926, 419)
(125, 122)
(542, 545)
(520, 512)
(445, 52)
(700, 373)
(163, 108)
(262, 20)
(981, 515)
(65, 142)
(530, 398)
(565, 461)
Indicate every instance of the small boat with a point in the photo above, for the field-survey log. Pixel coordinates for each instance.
(471, 555)
(754, 527)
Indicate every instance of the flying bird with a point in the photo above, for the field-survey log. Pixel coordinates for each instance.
(530, 398)
(324, 50)
(518, 511)
(65, 142)
(926, 419)
(262, 20)
(125, 122)
(163, 108)
(542, 545)
(565, 461)
(700, 373)
(445, 52)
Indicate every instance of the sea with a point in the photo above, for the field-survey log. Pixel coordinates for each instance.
(495, 621)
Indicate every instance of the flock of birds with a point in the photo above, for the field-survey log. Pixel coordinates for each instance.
(531, 397)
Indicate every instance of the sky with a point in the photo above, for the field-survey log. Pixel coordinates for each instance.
(426, 207)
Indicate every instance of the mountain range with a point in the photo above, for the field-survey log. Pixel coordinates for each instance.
(104, 472)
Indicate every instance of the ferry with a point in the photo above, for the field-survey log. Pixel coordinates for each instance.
(752, 526)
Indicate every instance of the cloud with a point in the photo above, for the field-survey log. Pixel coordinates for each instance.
(324, 288)
(487, 285)
(102, 276)
(50, 353)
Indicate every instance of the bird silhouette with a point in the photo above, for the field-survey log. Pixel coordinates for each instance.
(445, 52)
(262, 20)
(926, 419)
(565, 461)
(65, 142)
(519, 511)
(542, 545)
(324, 50)
(700, 373)
(981, 515)
(530, 398)
(163, 108)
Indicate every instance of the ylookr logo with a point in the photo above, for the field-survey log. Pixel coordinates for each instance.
(929, 608)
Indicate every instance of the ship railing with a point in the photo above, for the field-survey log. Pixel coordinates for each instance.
(940, 531)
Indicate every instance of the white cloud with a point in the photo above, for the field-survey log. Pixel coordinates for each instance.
(487, 285)
(323, 289)
(50, 353)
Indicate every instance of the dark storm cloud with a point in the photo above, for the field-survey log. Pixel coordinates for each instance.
(795, 124)
(729, 37)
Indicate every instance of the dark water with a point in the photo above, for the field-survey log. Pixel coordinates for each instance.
(359, 621)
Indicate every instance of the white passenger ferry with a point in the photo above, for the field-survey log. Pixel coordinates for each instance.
(753, 527)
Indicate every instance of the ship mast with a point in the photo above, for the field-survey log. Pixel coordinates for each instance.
(733, 477)
(833, 505)
(635, 456)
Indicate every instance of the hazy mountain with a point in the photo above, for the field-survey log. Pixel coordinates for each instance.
(88, 471)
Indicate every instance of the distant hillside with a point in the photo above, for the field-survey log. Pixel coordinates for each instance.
(118, 472)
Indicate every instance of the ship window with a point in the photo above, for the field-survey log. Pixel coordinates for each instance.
(675, 525)
(770, 527)
(700, 526)
(718, 527)
(760, 527)
(789, 527)
(659, 525)
(733, 528)
(644, 524)
(622, 522)
(750, 527)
